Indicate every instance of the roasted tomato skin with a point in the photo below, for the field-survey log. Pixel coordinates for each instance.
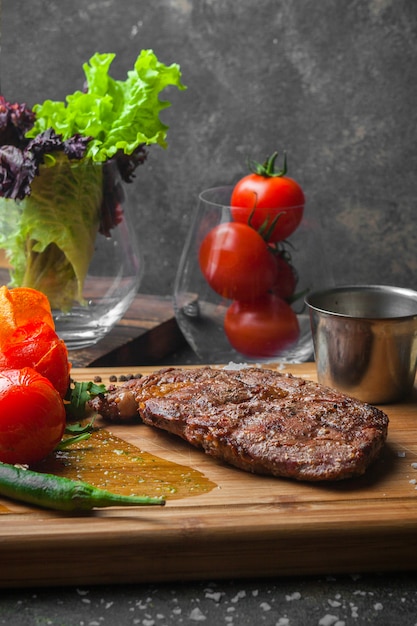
(262, 328)
(36, 345)
(236, 261)
(32, 416)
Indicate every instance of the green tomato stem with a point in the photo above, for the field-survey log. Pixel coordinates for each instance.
(267, 169)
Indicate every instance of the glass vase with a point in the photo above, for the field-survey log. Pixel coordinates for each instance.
(73, 239)
(201, 310)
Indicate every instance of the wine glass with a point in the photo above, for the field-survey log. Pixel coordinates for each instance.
(203, 313)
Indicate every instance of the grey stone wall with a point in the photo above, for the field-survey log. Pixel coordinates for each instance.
(332, 82)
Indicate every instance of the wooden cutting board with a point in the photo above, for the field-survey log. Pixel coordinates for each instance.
(228, 523)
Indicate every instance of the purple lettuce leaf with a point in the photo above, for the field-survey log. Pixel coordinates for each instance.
(15, 121)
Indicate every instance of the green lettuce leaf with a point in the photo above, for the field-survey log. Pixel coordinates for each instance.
(49, 235)
(118, 115)
(48, 244)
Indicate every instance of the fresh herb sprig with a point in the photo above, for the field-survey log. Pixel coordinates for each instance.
(77, 397)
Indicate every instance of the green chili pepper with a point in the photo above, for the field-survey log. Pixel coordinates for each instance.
(61, 494)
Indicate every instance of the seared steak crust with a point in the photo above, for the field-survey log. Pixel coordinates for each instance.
(256, 419)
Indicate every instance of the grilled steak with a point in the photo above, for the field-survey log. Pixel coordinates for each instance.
(256, 419)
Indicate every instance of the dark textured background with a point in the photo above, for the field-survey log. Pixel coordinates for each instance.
(331, 82)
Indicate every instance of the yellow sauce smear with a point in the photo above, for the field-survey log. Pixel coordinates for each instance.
(110, 463)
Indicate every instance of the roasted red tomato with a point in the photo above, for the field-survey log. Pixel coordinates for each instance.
(236, 262)
(262, 328)
(32, 416)
(21, 305)
(36, 345)
(269, 201)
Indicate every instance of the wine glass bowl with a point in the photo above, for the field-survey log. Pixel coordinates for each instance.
(226, 301)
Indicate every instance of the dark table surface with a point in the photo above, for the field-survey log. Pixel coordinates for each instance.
(385, 599)
(351, 600)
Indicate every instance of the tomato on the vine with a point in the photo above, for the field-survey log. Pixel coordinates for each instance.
(36, 345)
(261, 328)
(236, 262)
(285, 278)
(268, 200)
(32, 416)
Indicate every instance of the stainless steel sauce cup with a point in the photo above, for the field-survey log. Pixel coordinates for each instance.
(365, 340)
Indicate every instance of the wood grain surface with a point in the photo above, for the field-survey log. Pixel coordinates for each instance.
(244, 526)
(147, 333)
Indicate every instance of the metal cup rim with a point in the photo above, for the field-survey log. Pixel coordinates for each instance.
(404, 292)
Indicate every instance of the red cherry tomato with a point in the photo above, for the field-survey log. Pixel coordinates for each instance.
(266, 197)
(32, 416)
(37, 345)
(236, 262)
(262, 328)
(285, 279)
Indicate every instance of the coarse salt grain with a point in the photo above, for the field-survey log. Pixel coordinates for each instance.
(214, 595)
(328, 620)
(197, 616)
(236, 366)
(294, 596)
(239, 596)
